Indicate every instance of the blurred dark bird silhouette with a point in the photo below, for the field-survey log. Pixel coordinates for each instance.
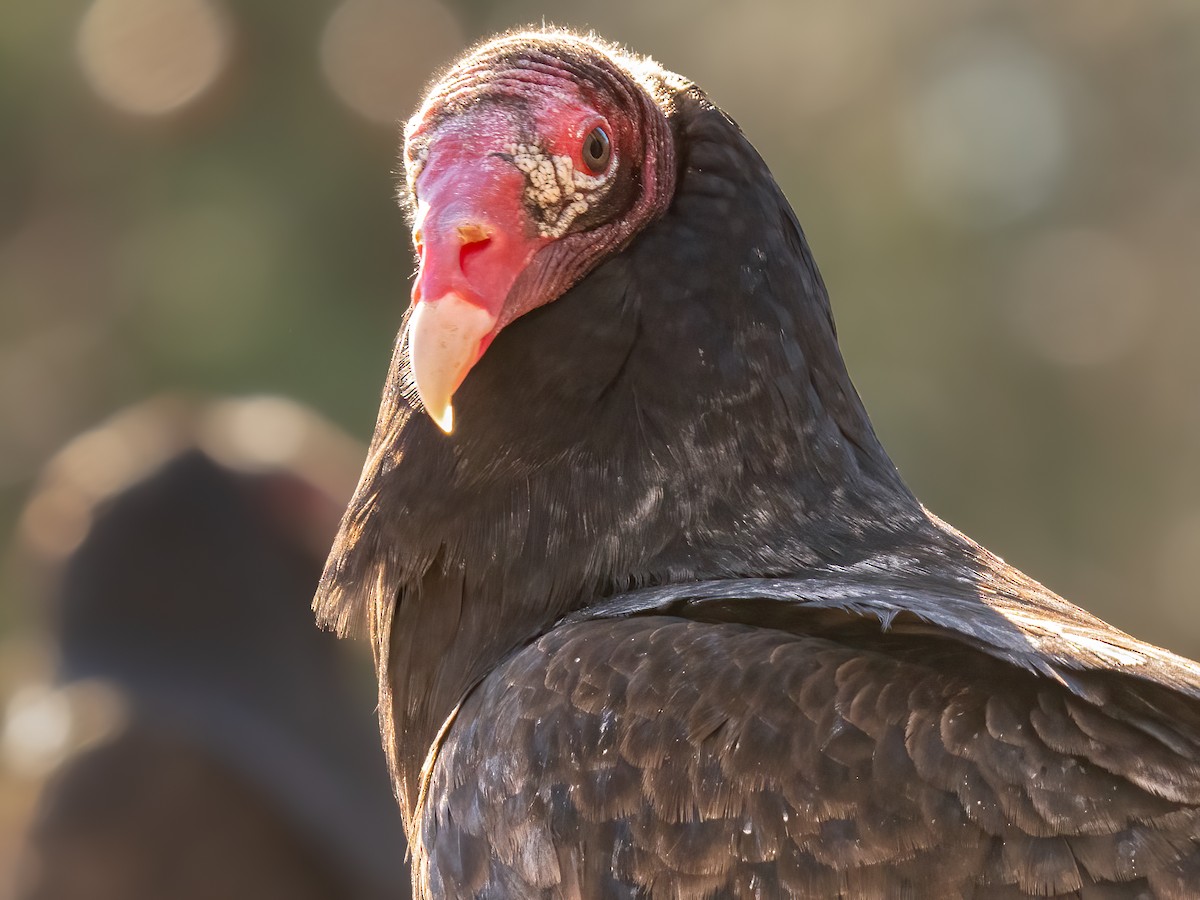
(246, 763)
(653, 612)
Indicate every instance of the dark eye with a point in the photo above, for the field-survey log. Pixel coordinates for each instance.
(597, 150)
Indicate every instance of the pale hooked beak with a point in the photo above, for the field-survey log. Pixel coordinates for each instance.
(445, 339)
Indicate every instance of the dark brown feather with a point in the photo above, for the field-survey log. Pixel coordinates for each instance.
(809, 783)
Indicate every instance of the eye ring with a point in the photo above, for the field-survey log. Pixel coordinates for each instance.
(597, 150)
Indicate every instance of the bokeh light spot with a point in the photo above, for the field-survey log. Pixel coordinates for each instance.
(377, 54)
(985, 139)
(152, 57)
(55, 523)
(43, 723)
(257, 432)
(37, 726)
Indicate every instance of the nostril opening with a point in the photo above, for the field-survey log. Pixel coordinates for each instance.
(469, 253)
(470, 233)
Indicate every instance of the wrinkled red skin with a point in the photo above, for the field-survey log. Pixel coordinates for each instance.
(476, 228)
(466, 189)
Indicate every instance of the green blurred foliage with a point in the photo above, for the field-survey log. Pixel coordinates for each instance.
(941, 155)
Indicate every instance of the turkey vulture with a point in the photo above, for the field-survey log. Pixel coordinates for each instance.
(247, 764)
(654, 614)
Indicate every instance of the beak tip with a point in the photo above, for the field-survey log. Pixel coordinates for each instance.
(444, 420)
(439, 407)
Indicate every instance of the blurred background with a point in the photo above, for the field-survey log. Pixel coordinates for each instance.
(197, 736)
(1004, 198)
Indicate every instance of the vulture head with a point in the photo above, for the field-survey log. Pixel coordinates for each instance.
(531, 161)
